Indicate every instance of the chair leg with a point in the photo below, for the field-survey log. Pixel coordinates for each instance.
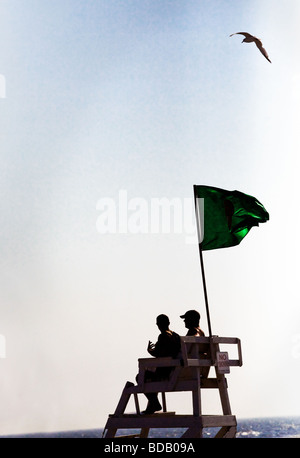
(226, 432)
(110, 433)
(164, 404)
(197, 409)
(137, 406)
(144, 432)
(123, 401)
(222, 385)
(192, 433)
(196, 402)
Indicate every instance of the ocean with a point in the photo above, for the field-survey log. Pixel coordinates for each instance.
(282, 427)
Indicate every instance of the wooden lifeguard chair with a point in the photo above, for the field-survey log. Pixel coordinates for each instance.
(190, 373)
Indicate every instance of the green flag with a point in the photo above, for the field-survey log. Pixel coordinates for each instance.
(228, 216)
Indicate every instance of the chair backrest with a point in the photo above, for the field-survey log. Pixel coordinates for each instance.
(202, 351)
(194, 349)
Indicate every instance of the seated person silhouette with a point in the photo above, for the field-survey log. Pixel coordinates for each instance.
(192, 323)
(191, 320)
(168, 344)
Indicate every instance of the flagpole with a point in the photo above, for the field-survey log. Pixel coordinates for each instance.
(202, 265)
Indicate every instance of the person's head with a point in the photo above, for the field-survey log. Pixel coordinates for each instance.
(162, 322)
(191, 319)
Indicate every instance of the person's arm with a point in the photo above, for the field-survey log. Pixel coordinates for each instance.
(151, 348)
(158, 349)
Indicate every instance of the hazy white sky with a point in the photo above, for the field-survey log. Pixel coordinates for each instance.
(142, 99)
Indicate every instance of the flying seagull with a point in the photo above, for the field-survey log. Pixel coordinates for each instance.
(249, 39)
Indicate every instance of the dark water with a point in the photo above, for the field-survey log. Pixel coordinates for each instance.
(283, 427)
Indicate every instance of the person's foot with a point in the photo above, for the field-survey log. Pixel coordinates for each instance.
(152, 408)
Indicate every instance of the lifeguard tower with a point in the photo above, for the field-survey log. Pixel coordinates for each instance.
(229, 216)
(190, 372)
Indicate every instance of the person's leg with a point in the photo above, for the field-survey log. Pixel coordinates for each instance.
(153, 402)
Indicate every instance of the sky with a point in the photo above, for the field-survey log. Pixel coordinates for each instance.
(109, 108)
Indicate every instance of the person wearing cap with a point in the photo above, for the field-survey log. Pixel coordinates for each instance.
(168, 344)
(192, 323)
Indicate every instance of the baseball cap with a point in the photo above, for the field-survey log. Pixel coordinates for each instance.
(193, 314)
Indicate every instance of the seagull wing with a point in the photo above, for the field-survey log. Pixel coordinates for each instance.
(262, 49)
(246, 34)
